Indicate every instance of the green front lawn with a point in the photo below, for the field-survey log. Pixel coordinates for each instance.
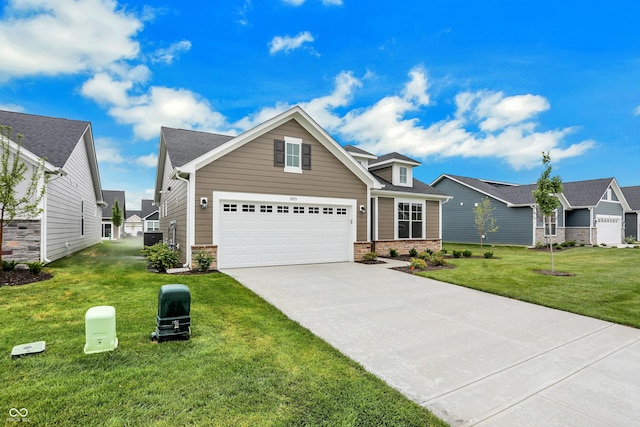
(246, 364)
(606, 284)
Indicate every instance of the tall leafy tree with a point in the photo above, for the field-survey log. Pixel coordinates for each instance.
(116, 215)
(485, 222)
(18, 201)
(546, 197)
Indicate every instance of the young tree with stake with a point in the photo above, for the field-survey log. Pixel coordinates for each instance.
(485, 222)
(546, 197)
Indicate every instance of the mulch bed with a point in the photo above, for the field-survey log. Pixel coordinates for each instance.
(554, 273)
(22, 277)
(408, 269)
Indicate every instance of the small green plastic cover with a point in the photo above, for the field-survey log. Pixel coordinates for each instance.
(174, 301)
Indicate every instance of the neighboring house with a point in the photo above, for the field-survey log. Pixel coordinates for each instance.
(285, 192)
(632, 219)
(133, 224)
(144, 220)
(590, 212)
(72, 206)
(109, 230)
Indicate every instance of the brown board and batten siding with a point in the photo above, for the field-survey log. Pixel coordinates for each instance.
(250, 169)
(386, 215)
(433, 219)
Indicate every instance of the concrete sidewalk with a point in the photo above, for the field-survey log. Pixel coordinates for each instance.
(471, 358)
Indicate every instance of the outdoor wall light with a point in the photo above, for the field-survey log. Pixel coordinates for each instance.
(204, 203)
(362, 209)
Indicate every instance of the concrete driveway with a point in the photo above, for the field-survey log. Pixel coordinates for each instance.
(470, 357)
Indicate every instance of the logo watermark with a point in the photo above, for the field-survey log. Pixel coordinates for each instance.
(18, 415)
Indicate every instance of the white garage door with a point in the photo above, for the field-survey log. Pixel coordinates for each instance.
(609, 229)
(258, 233)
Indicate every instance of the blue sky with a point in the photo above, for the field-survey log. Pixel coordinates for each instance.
(470, 88)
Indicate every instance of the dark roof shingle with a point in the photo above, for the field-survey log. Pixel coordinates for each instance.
(184, 146)
(51, 138)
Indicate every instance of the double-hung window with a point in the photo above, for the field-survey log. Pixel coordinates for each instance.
(292, 158)
(410, 220)
(403, 175)
(551, 224)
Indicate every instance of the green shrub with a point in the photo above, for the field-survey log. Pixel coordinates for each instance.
(413, 252)
(467, 253)
(9, 265)
(161, 257)
(457, 254)
(424, 255)
(438, 260)
(444, 251)
(203, 260)
(488, 255)
(393, 253)
(630, 240)
(417, 263)
(370, 256)
(35, 267)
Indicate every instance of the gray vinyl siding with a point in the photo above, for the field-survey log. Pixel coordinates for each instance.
(515, 225)
(63, 208)
(608, 208)
(386, 215)
(176, 209)
(578, 218)
(433, 219)
(560, 217)
(250, 169)
(631, 225)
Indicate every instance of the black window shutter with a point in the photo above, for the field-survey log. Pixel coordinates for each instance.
(278, 153)
(306, 156)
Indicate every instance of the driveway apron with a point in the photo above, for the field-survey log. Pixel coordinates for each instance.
(471, 358)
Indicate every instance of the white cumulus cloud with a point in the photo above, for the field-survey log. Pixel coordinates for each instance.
(486, 125)
(150, 160)
(60, 36)
(287, 43)
(167, 55)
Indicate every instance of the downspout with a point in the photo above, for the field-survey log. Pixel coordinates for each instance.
(188, 248)
(591, 219)
(442, 202)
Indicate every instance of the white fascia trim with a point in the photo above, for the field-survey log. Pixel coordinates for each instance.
(393, 160)
(218, 196)
(396, 194)
(28, 155)
(306, 122)
(473, 188)
(620, 194)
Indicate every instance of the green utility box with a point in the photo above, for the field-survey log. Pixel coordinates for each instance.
(173, 320)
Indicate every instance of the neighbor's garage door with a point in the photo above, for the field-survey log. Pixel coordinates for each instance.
(609, 229)
(260, 234)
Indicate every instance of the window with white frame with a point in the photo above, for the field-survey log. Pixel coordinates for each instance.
(410, 220)
(403, 175)
(551, 224)
(152, 225)
(292, 158)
